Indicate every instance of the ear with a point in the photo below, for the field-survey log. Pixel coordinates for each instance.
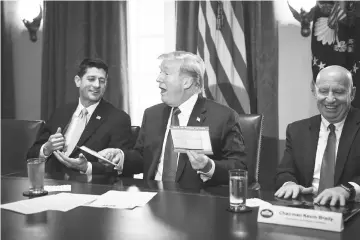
(313, 88)
(77, 81)
(187, 82)
(352, 94)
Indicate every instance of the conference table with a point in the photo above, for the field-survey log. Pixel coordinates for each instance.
(176, 212)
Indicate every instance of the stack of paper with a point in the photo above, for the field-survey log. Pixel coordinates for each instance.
(122, 200)
(58, 202)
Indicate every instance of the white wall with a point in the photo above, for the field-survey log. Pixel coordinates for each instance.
(295, 75)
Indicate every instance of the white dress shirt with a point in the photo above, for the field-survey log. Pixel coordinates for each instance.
(322, 142)
(186, 109)
(75, 115)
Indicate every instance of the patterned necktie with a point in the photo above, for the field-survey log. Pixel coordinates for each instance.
(75, 130)
(170, 157)
(328, 162)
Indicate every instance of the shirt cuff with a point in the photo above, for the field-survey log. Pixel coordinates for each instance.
(120, 166)
(88, 170)
(357, 190)
(41, 153)
(208, 175)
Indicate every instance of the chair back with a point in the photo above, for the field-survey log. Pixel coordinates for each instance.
(251, 128)
(134, 134)
(17, 136)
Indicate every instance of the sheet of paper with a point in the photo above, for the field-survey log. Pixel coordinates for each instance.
(57, 188)
(57, 202)
(95, 154)
(256, 202)
(191, 138)
(122, 200)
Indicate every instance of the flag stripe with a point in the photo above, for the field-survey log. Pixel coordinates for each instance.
(219, 61)
(238, 12)
(210, 76)
(229, 74)
(235, 42)
(200, 50)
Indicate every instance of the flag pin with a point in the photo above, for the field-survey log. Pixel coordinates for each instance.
(198, 119)
(98, 117)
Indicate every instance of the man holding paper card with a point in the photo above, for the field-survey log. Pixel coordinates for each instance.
(322, 152)
(92, 122)
(181, 84)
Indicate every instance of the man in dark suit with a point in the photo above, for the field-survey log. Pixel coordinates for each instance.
(181, 85)
(92, 122)
(322, 154)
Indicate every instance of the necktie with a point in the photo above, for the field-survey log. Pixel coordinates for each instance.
(328, 162)
(170, 157)
(74, 131)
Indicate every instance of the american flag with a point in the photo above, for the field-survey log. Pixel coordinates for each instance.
(221, 43)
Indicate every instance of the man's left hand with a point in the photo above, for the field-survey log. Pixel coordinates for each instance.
(79, 163)
(199, 162)
(334, 195)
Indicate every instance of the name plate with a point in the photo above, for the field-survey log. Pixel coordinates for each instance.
(298, 217)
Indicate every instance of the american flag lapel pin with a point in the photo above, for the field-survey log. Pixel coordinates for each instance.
(198, 119)
(98, 117)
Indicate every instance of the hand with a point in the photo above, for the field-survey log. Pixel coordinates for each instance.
(79, 163)
(54, 143)
(292, 189)
(112, 154)
(334, 195)
(199, 162)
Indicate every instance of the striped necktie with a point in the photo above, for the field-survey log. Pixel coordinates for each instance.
(328, 162)
(75, 130)
(170, 157)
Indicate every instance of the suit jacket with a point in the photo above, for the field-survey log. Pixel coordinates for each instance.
(225, 134)
(298, 162)
(108, 127)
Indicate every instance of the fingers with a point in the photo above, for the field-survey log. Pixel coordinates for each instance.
(295, 192)
(59, 157)
(58, 130)
(308, 190)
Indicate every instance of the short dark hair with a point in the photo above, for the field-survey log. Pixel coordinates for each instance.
(92, 62)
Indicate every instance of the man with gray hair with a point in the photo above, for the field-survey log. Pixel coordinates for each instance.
(322, 155)
(181, 85)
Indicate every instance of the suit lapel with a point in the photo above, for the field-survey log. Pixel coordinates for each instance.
(351, 126)
(67, 117)
(312, 142)
(160, 140)
(98, 117)
(197, 118)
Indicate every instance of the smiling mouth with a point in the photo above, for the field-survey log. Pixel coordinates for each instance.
(330, 107)
(163, 90)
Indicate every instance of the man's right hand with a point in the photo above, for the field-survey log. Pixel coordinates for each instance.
(114, 155)
(55, 142)
(292, 189)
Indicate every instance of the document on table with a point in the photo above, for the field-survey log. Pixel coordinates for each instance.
(57, 202)
(122, 200)
(191, 138)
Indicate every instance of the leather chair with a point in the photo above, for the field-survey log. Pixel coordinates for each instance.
(251, 127)
(17, 136)
(134, 134)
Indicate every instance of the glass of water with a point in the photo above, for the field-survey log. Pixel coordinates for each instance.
(36, 174)
(238, 180)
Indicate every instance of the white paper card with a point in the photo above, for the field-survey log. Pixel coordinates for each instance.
(57, 188)
(95, 154)
(57, 202)
(256, 202)
(191, 138)
(299, 217)
(122, 200)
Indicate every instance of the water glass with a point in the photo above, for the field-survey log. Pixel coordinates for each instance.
(238, 181)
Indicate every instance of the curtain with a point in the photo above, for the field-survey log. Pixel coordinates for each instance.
(261, 41)
(261, 35)
(77, 30)
(7, 68)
